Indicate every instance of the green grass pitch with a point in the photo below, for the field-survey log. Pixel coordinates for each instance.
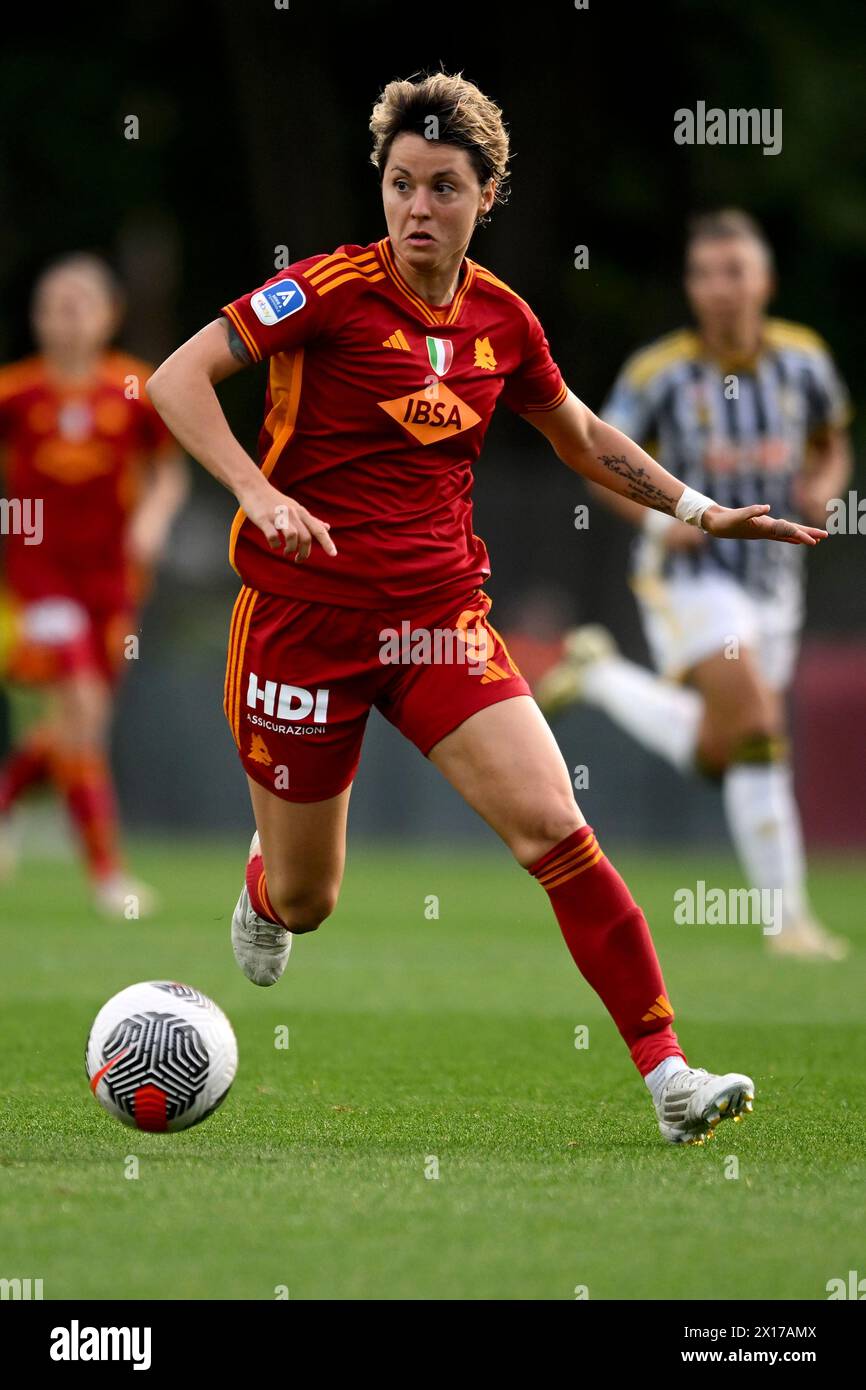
(412, 1039)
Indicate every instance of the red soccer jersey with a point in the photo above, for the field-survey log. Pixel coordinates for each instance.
(78, 450)
(377, 406)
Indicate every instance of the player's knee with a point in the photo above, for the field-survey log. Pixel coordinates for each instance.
(83, 724)
(303, 910)
(728, 724)
(551, 825)
(759, 747)
(749, 740)
(80, 742)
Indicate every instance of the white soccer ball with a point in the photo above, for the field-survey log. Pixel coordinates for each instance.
(161, 1056)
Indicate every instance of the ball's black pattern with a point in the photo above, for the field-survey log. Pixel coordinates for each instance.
(159, 1050)
(179, 991)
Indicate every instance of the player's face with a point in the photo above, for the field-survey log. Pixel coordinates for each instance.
(72, 313)
(727, 280)
(432, 200)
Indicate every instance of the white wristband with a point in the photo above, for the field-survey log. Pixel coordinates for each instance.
(692, 506)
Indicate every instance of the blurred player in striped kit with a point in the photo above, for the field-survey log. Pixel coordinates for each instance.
(748, 408)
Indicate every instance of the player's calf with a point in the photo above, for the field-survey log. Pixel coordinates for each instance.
(261, 944)
(267, 917)
(301, 910)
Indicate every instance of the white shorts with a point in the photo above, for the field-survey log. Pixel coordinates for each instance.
(688, 618)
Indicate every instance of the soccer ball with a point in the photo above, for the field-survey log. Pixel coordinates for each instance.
(161, 1056)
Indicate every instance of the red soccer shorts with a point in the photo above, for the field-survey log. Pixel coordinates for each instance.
(302, 677)
(53, 638)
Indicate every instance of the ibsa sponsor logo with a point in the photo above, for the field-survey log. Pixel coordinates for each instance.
(291, 703)
(431, 416)
(278, 301)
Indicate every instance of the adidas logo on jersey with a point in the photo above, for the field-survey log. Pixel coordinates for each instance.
(397, 340)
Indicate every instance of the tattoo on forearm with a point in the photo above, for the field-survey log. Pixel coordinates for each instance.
(640, 488)
(236, 345)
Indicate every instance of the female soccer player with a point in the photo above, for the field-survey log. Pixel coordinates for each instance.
(781, 434)
(385, 364)
(94, 480)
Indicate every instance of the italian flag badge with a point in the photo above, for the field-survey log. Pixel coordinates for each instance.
(441, 354)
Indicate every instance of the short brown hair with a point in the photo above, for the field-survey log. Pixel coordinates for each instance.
(462, 115)
(724, 223)
(90, 264)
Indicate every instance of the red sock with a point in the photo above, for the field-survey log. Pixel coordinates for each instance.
(25, 767)
(257, 888)
(608, 937)
(86, 784)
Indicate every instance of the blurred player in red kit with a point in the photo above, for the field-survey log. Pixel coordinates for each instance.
(92, 480)
(385, 364)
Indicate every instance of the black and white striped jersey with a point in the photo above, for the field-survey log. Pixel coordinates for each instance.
(736, 430)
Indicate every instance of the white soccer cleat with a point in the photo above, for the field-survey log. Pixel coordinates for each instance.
(563, 684)
(121, 897)
(807, 940)
(694, 1101)
(261, 947)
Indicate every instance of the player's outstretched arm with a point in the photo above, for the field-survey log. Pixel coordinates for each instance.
(606, 456)
(182, 391)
